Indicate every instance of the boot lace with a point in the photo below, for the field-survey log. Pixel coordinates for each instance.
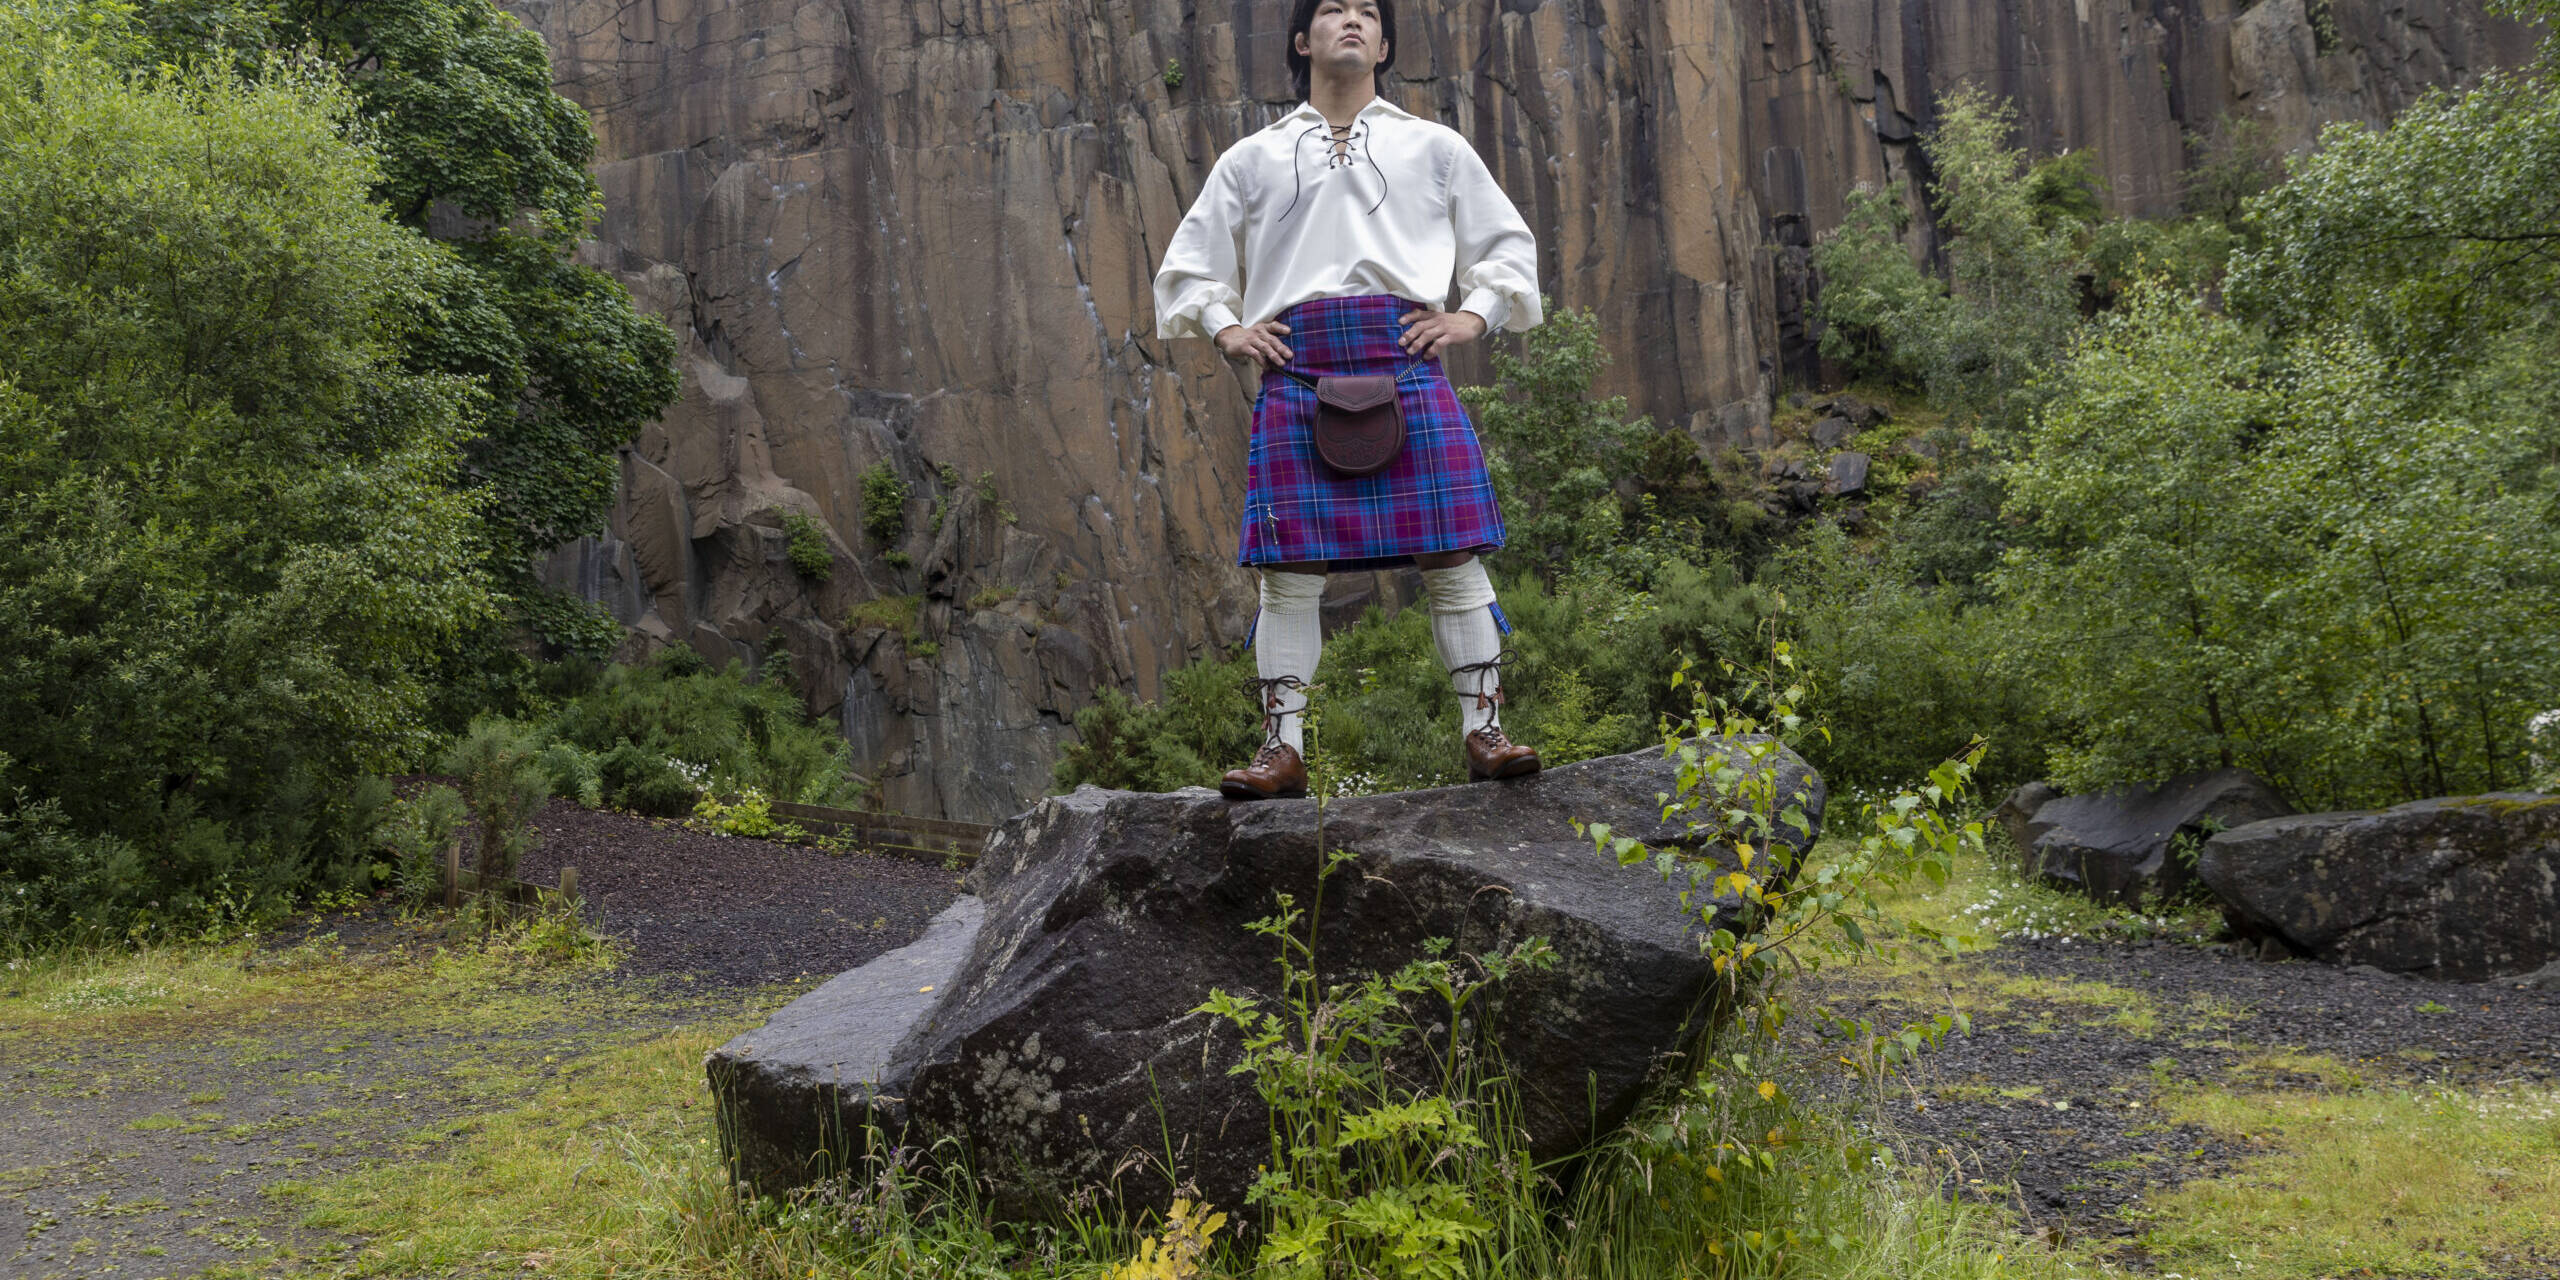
(1488, 694)
(1267, 690)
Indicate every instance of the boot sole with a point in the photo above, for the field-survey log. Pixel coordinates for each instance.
(1239, 791)
(1516, 769)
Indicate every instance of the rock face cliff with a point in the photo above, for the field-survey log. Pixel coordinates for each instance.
(921, 234)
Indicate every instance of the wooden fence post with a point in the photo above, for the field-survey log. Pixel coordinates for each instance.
(453, 874)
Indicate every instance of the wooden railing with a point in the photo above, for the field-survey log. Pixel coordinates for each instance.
(932, 840)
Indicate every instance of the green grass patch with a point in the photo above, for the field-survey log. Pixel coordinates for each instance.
(888, 613)
(2370, 1182)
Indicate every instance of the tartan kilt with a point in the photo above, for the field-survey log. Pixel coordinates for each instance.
(1435, 497)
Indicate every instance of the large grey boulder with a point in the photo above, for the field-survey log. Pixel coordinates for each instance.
(1064, 1049)
(2120, 845)
(2464, 889)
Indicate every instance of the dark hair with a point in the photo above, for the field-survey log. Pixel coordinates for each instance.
(1302, 17)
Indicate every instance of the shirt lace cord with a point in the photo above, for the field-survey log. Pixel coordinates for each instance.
(1338, 140)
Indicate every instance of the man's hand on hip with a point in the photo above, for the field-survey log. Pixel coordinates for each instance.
(1427, 333)
(1259, 343)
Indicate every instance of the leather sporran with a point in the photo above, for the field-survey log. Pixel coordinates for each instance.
(1359, 423)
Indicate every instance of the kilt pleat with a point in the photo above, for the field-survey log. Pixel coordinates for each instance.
(1435, 497)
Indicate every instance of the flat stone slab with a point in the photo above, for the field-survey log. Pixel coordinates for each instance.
(2121, 845)
(778, 1083)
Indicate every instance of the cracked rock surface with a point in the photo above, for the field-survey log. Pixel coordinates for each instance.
(1067, 1041)
(920, 236)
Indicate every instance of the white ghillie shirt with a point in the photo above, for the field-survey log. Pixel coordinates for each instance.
(1402, 206)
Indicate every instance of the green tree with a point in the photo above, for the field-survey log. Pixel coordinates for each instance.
(2277, 557)
(2433, 238)
(1976, 341)
(231, 547)
(1555, 454)
(2140, 590)
(2010, 301)
(479, 153)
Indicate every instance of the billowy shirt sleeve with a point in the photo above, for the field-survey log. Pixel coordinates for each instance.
(1497, 255)
(1199, 289)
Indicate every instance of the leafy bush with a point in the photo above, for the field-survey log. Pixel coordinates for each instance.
(1556, 455)
(752, 816)
(643, 781)
(1377, 1165)
(416, 834)
(644, 727)
(1909, 673)
(810, 556)
(2010, 302)
(1204, 725)
(884, 505)
(230, 555)
(504, 780)
(573, 772)
(2285, 561)
(55, 880)
(477, 150)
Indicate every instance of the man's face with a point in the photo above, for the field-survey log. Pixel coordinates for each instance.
(1347, 36)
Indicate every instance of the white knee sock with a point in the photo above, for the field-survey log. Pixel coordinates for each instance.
(1287, 641)
(1465, 625)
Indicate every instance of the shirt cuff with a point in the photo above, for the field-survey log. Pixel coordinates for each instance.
(1215, 318)
(1489, 305)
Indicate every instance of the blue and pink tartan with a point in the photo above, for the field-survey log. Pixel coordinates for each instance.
(1434, 497)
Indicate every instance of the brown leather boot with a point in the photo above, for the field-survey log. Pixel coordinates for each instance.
(1275, 774)
(1492, 754)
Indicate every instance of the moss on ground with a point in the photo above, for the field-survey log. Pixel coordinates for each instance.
(2375, 1166)
(2370, 1180)
(175, 1106)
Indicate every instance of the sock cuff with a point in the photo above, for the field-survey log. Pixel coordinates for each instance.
(1291, 592)
(1463, 589)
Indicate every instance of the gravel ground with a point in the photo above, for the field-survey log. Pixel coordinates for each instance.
(2050, 1105)
(732, 911)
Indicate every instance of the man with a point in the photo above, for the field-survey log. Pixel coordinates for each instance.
(1324, 245)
